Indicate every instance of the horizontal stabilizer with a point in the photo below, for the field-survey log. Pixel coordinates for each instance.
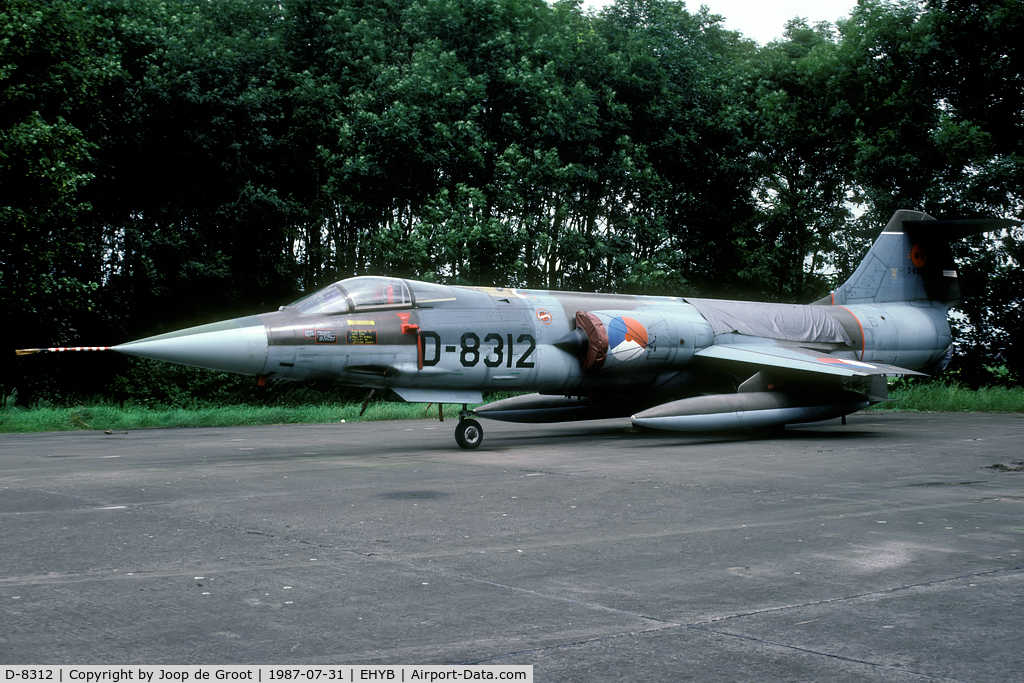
(960, 228)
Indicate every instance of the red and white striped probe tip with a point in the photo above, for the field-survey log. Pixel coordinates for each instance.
(55, 349)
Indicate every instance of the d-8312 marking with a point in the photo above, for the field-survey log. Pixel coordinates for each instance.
(471, 350)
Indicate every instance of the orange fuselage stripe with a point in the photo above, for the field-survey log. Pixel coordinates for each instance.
(863, 339)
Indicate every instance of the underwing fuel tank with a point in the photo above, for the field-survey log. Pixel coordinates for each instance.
(746, 410)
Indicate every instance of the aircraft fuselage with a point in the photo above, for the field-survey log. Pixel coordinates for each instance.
(462, 341)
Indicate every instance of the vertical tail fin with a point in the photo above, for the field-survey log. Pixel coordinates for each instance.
(911, 261)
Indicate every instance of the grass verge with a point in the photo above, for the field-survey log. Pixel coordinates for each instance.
(932, 397)
(940, 398)
(104, 417)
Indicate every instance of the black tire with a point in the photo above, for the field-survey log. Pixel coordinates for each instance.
(469, 434)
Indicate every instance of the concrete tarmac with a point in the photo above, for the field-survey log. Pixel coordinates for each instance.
(889, 549)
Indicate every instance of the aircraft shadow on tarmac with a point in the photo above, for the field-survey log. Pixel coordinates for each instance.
(580, 433)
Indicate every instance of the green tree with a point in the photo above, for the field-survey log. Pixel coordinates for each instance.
(55, 65)
(187, 194)
(683, 196)
(977, 64)
(800, 128)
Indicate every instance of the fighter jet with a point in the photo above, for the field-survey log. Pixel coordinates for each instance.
(672, 363)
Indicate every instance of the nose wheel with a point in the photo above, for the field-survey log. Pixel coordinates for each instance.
(469, 434)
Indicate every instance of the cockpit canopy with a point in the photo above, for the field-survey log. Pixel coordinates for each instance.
(372, 294)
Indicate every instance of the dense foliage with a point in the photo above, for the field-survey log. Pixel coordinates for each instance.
(169, 162)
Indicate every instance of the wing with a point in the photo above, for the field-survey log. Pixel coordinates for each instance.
(785, 384)
(773, 356)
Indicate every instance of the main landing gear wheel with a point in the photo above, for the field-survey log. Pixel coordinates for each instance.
(469, 434)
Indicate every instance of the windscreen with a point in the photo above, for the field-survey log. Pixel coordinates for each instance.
(327, 301)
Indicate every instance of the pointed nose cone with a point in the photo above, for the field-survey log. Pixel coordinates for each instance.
(238, 345)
